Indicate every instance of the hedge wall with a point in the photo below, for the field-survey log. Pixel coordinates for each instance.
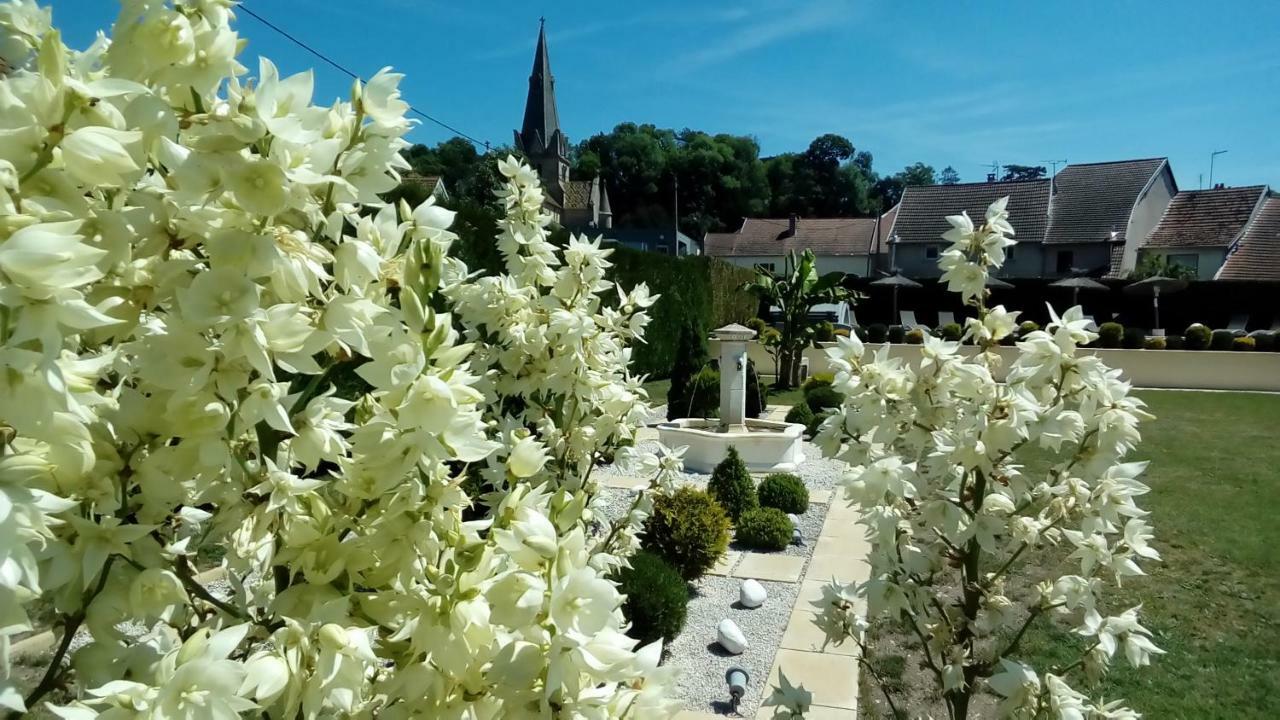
(694, 290)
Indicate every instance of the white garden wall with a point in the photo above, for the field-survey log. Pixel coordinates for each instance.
(1184, 369)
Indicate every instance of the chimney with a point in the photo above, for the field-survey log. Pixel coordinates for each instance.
(791, 227)
(991, 177)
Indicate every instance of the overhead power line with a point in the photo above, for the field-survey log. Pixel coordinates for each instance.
(352, 75)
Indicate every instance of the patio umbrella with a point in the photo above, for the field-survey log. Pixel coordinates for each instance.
(1155, 286)
(1077, 284)
(896, 281)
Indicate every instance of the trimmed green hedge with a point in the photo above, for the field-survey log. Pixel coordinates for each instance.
(695, 290)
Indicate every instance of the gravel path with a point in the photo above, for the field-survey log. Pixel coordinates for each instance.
(703, 664)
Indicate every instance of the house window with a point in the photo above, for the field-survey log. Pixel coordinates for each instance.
(931, 252)
(1008, 253)
(1188, 260)
(766, 266)
(1065, 260)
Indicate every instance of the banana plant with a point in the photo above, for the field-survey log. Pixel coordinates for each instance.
(794, 292)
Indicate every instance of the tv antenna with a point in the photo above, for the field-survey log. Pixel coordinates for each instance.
(1054, 165)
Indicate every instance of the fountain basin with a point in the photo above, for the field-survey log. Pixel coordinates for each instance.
(764, 445)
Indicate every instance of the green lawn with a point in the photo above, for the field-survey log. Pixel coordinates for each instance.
(1213, 604)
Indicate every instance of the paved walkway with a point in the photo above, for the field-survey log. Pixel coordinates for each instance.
(830, 673)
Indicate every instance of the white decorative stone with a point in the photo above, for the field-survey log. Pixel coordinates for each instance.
(730, 637)
(794, 518)
(752, 594)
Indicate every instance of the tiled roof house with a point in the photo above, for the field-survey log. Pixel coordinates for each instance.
(1255, 254)
(848, 245)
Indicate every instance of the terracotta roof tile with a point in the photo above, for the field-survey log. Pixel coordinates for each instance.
(769, 236)
(921, 216)
(1092, 200)
(1205, 218)
(1257, 255)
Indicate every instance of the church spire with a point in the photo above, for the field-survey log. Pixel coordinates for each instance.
(540, 132)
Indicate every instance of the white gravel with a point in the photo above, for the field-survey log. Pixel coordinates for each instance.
(701, 661)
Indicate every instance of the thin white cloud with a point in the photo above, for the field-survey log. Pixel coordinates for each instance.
(763, 26)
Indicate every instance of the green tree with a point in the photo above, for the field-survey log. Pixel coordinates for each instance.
(794, 292)
(890, 189)
(948, 176)
(1023, 172)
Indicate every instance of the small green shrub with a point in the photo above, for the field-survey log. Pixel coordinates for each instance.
(951, 332)
(897, 334)
(861, 332)
(757, 392)
(1221, 340)
(785, 492)
(1243, 343)
(689, 530)
(731, 486)
(1266, 341)
(657, 598)
(1174, 342)
(764, 529)
(823, 398)
(702, 398)
(1027, 327)
(876, 333)
(817, 380)
(757, 324)
(824, 331)
(1110, 335)
(1154, 343)
(1197, 337)
(770, 337)
(915, 336)
(1133, 338)
(800, 413)
(811, 428)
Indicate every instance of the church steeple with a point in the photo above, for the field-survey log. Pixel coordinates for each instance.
(539, 136)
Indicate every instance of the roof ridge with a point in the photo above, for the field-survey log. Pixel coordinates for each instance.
(1262, 186)
(971, 184)
(1115, 162)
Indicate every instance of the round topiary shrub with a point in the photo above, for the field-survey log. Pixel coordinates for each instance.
(785, 492)
(815, 424)
(764, 529)
(897, 334)
(657, 598)
(876, 333)
(757, 324)
(915, 336)
(770, 337)
(1110, 335)
(703, 394)
(1221, 340)
(1243, 343)
(800, 413)
(689, 530)
(1265, 341)
(951, 332)
(823, 379)
(824, 331)
(861, 332)
(1133, 338)
(731, 486)
(823, 397)
(1196, 337)
(1153, 343)
(1174, 342)
(1027, 327)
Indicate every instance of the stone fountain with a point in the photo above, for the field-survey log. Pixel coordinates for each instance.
(764, 445)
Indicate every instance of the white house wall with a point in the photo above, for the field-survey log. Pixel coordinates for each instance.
(848, 264)
(1146, 215)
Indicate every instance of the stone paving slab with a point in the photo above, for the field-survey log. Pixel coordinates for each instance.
(781, 568)
(821, 497)
(626, 482)
(725, 564)
(833, 679)
(816, 712)
(803, 634)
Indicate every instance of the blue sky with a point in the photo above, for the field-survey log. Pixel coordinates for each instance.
(947, 83)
